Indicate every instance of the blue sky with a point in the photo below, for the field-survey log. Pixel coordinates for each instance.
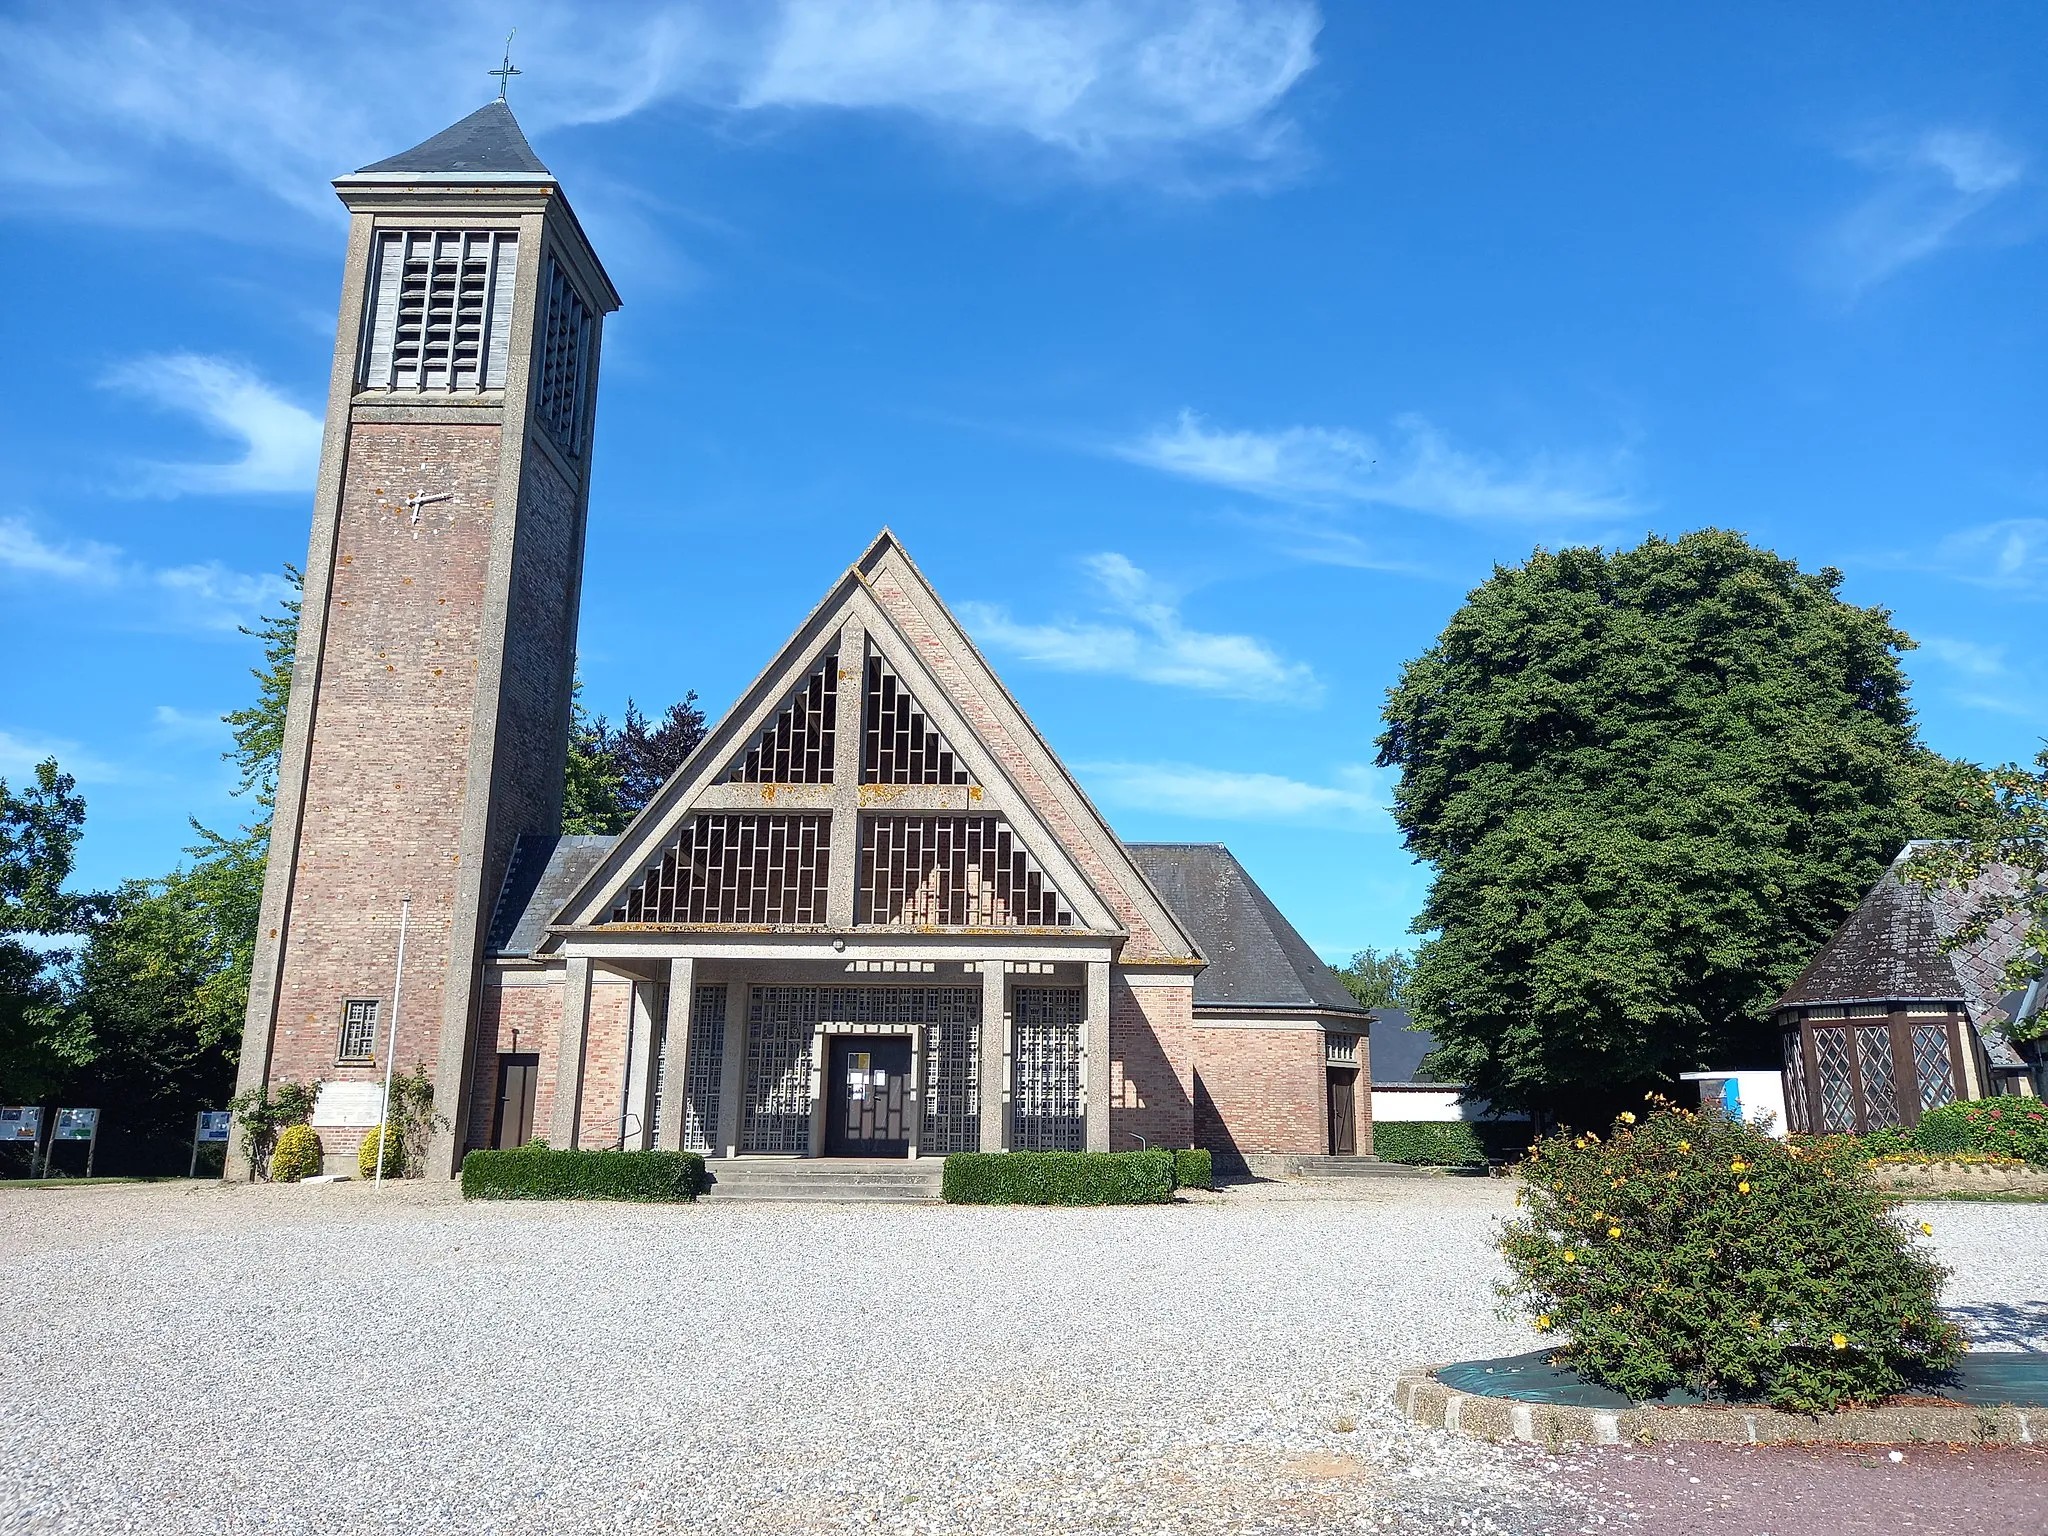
(1204, 354)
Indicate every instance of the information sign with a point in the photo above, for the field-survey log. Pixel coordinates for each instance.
(214, 1124)
(76, 1125)
(21, 1122)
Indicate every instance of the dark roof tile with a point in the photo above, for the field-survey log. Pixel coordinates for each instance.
(485, 143)
(544, 873)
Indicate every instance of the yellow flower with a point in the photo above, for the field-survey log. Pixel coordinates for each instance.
(1569, 1256)
(1614, 1231)
(1743, 1186)
(1627, 1118)
(1737, 1166)
(1841, 1341)
(1926, 1229)
(1543, 1322)
(1685, 1146)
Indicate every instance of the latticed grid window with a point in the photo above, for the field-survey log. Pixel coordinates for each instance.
(1798, 1113)
(797, 748)
(952, 872)
(1342, 1048)
(1045, 1080)
(1837, 1089)
(952, 1072)
(781, 1022)
(1874, 1058)
(358, 1031)
(706, 1069)
(564, 360)
(1932, 1066)
(737, 868)
(440, 309)
(898, 745)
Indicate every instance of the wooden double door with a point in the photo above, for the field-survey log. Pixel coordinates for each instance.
(868, 1099)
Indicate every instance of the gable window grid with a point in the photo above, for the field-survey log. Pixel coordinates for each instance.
(738, 868)
(898, 745)
(798, 747)
(565, 341)
(952, 872)
(358, 1044)
(440, 311)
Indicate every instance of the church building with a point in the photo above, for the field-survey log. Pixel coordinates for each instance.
(872, 915)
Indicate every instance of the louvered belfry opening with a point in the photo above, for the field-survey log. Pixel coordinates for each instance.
(738, 868)
(797, 748)
(440, 310)
(565, 343)
(951, 872)
(898, 744)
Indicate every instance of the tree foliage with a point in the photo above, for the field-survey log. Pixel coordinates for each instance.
(1652, 782)
(1378, 980)
(39, 830)
(612, 773)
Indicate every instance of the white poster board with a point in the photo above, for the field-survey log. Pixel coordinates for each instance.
(348, 1106)
(21, 1122)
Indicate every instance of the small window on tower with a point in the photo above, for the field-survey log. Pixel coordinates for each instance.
(565, 343)
(440, 310)
(358, 1032)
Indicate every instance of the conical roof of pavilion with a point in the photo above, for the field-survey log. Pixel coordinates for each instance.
(488, 142)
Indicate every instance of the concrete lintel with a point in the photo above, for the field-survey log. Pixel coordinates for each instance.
(383, 407)
(629, 946)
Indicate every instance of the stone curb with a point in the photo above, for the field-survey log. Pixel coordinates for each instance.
(1422, 1398)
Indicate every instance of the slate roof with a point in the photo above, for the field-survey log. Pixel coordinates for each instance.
(1256, 959)
(543, 874)
(485, 143)
(1398, 1047)
(1890, 950)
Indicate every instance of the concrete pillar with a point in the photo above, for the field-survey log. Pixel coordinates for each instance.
(846, 754)
(675, 1053)
(569, 1063)
(995, 1058)
(637, 1132)
(1095, 1058)
(733, 1084)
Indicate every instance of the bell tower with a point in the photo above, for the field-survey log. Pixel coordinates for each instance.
(430, 695)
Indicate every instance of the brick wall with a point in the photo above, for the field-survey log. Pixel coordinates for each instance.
(526, 1017)
(390, 746)
(1262, 1090)
(1151, 1064)
(604, 1061)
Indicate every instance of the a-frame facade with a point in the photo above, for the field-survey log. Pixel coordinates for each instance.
(871, 915)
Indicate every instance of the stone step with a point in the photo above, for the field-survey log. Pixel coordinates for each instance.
(864, 1181)
(1353, 1168)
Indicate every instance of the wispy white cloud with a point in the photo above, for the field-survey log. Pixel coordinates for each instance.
(1968, 656)
(280, 441)
(202, 597)
(170, 723)
(1415, 469)
(1149, 641)
(1930, 186)
(25, 552)
(1185, 789)
(102, 97)
(2010, 555)
(20, 754)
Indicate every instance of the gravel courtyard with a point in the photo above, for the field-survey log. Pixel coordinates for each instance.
(199, 1358)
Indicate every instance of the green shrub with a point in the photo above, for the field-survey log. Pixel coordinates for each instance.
(539, 1172)
(1443, 1143)
(1059, 1178)
(1700, 1252)
(297, 1155)
(2011, 1127)
(1193, 1169)
(394, 1154)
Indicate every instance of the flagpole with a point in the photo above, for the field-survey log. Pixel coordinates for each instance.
(391, 1045)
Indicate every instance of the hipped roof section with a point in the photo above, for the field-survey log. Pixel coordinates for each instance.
(488, 142)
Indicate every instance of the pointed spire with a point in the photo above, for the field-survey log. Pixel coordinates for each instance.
(485, 143)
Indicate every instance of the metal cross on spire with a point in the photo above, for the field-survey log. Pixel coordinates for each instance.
(507, 70)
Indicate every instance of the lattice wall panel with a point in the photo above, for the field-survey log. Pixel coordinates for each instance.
(705, 1071)
(743, 868)
(1931, 1065)
(952, 1080)
(1837, 1090)
(1874, 1058)
(951, 872)
(1045, 1085)
(797, 748)
(777, 1114)
(898, 745)
(1798, 1112)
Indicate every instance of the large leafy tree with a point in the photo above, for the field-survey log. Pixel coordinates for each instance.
(1651, 782)
(1378, 980)
(39, 830)
(612, 773)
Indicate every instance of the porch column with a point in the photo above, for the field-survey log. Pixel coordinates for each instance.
(638, 1131)
(1095, 1058)
(675, 1053)
(995, 1063)
(569, 1057)
(733, 1083)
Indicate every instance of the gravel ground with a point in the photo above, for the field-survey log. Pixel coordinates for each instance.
(200, 1358)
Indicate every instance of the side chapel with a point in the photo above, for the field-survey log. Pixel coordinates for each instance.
(872, 914)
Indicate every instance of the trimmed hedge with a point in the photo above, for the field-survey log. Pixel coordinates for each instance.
(1059, 1178)
(1440, 1143)
(540, 1172)
(297, 1155)
(1192, 1169)
(394, 1155)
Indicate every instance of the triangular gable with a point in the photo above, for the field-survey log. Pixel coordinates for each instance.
(966, 817)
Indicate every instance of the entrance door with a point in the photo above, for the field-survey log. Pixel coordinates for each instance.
(518, 1077)
(869, 1094)
(1343, 1113)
